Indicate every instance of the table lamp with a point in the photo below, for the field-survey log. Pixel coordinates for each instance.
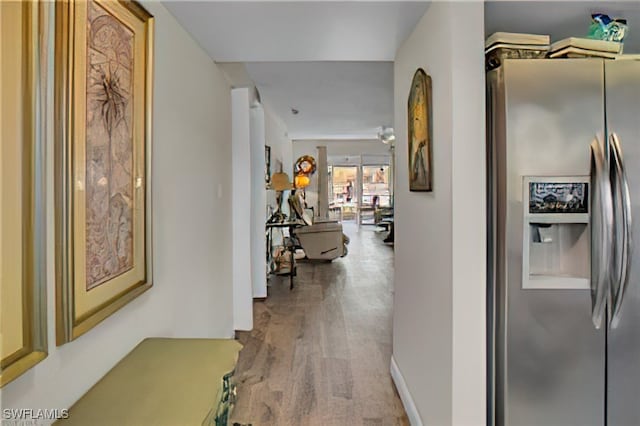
(279, 183)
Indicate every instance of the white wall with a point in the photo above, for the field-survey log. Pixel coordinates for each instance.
(254, 126)
(241, 199)
(192, 294)
(278, 139)
(439, 317)
(469, 216)
(192, 181)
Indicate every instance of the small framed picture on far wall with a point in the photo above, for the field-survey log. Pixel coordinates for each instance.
(267, 164)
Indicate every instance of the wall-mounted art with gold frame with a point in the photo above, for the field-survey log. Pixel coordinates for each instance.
(23, 308)
(419, 133)
(104, 53)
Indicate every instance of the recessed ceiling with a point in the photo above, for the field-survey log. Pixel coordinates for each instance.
(257, 31)
(561, 19)
(335, 100)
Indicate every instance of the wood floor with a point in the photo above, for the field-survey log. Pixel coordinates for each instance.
(319, 354)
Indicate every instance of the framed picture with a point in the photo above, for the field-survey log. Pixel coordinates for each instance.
(23, 302)
(419, 133)
(103, 160)
(267, 164)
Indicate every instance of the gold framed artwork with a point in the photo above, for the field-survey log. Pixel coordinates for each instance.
(104, 53)
(23, 308)
(420, 133)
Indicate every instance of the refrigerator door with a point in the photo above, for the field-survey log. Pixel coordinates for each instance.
(549, 358)
(623, 350)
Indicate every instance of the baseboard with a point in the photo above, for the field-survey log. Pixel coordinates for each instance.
(405, 396)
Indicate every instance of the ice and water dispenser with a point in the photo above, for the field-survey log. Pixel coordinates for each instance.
(556, 243)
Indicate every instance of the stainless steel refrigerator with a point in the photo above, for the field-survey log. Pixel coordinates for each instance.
(564, 210)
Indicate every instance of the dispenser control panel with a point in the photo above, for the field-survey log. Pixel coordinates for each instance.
(558, 197)
(556, 233)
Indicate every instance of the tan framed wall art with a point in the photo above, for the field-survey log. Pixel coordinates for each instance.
(419, 133)
(104, 53)
(23, 308)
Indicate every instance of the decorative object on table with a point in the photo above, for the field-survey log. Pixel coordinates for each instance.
(103, 187)
(267, 164)
(420, 133)
(605, 28)
(23, 248)
(501, 45)
(305, 164)
(575, 47)
(304, 167)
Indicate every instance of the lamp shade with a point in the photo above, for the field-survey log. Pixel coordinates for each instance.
(280, 182)
(301, 181)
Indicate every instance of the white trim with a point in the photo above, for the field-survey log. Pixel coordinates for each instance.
(241, 204)
(405, 396)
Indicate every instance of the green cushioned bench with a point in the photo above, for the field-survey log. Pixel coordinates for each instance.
(172, 382)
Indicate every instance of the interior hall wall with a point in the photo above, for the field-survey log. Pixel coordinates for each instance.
(439, 318)
(277, 137)
(192, 293)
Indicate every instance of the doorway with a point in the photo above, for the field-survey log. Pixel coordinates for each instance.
(375, 192)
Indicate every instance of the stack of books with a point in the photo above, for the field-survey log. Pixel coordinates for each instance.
(501, 45)
(574, 47)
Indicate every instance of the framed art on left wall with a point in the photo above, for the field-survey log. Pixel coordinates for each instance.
(23, 304)
(104, 53)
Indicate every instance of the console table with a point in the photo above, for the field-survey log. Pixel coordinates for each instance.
(288, 244)
(163, 382)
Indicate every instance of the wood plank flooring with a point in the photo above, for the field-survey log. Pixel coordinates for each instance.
(319, 354)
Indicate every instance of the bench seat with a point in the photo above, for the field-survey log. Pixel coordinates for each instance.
(163, 382)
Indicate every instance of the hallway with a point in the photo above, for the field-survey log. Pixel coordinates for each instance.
(320, 354)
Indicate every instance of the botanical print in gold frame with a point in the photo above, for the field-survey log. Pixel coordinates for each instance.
(23, 308)
(419, 133)
(104, 99)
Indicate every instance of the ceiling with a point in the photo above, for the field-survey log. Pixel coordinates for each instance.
(273, 31)
(330, 60)
(561, 19)
(335, 100)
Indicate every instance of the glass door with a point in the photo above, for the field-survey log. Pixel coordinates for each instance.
(343, 192)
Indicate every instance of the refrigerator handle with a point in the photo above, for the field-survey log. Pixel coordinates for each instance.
(601, 227)
(622, 229)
